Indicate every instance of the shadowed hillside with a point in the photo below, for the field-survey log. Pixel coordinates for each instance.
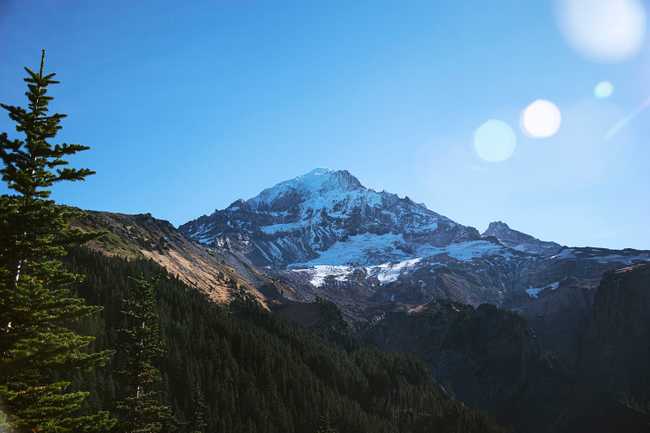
(260, 374)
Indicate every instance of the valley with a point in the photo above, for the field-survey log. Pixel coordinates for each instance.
(507, 323)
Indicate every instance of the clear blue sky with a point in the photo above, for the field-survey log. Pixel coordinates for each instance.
(190, 105)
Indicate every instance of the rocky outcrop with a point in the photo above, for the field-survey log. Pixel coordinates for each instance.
(615, 355)
(520, 241)
(559, 316)
(327, 235)
(603, 334)
(302, 219)
(583, 364)
(217, 274)
(486, 357)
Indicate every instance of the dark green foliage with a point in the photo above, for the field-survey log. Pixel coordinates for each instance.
(198, 420)
(332, 326)
(38, 348)
(259, 373)
(141, 349)
(325, 426)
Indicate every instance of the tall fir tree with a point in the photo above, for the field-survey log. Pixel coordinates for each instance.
(141, 408)
(199, 423)
(38, 307)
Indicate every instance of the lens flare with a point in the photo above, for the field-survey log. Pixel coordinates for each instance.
(494, 141)
(607, 31)
(603, 90)
(621, 124)
(541, 119)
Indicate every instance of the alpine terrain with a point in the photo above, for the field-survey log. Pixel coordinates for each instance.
(330, 236)
(507, 323)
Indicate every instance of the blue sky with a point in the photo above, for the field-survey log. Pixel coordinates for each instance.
(190, 105)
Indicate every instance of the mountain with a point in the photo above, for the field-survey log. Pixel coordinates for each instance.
(408, 279)
(520, 241)
(486, 357)
(497, 361)
(217, 274)
(615, 354)
(256, 372)
(326, 235)
(327, 217)
(610, 355)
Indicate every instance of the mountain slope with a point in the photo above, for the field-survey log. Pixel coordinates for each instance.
(326, 216)
(142, 236)
(258, 373)
(486, 357)
(328, 236)
(520, 241)
(615, 352)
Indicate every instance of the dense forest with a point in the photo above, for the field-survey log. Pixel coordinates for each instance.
(92, 341)
(256, 372)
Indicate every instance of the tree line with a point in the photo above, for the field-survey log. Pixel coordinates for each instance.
(90, 343)
(39, 306)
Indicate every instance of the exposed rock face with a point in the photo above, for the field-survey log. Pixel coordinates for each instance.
(486, 357)
(615, 356)
(491, 359)
(417, 280)
(143, 236)
(327, 235)
(560, 314)
(325, 217)
(604, 334)
(559, 317)
(521, 241)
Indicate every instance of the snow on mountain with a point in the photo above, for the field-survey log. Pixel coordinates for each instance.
(330, 236)
(326, 217)
(318, 274)
(390, 272)
(363, 249)
(385, 273)
(534, 292)
(366, 249)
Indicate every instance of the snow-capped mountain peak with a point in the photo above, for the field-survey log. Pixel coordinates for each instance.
(324, 232)
(298, 220)
(317, 182)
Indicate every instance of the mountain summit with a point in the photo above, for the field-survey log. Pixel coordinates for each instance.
(520, 241)
(326, 217)
(329, 236)
(317, 181)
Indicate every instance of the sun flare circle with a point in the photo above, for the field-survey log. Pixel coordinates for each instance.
(494, 141)
(603, 90)
(605, 31)
(541, 119)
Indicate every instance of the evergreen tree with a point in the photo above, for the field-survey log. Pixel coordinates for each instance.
(142, 409)
(325, 426)
(38, 348)
(265, 375)
(199, 423)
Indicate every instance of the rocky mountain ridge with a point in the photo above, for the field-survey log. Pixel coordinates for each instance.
(327, 235)
(326, 217)
(217, 274)
(520, 241)
(410, 279)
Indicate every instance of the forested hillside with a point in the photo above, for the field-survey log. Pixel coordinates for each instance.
(317, 306)
(258, 373)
